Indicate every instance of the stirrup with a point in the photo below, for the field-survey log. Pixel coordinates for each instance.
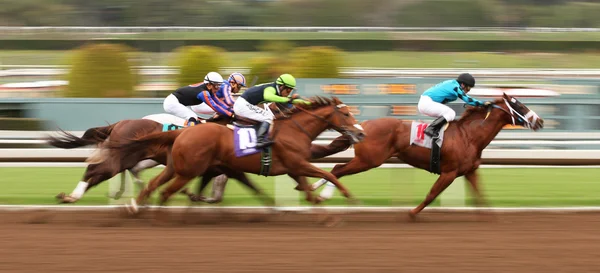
(266, 143)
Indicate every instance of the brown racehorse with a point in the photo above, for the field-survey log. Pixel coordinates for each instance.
(464, 141)
(192, 155)
(100, 169)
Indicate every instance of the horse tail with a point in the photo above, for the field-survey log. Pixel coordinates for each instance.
(92, 136)
(146, 146)
(339, 144)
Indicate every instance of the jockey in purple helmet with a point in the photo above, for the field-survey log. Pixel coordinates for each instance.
(201, 93)
(233, 85)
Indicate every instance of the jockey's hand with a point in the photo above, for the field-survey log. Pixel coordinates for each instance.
(295, 96)
(487, 103)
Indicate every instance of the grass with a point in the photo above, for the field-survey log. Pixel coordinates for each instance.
(383, 59)
(378, 187)
(249, 35)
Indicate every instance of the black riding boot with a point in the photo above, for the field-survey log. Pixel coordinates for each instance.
(263, 140)
(434, 128)
(192, 121)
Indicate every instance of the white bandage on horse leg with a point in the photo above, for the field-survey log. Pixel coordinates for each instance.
(79, 190)
(327, 192)
(318, 184)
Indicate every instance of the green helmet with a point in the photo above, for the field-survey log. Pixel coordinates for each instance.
(286, 80)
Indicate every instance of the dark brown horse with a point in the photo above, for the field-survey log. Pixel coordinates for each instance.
(100, 169)
(464, 141)
(192, 155)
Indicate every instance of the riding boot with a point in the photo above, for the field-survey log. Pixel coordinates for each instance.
(191, 122)
(434, 128)
(263, 140)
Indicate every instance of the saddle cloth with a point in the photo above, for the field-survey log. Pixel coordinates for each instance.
(244, 140)
(419, 138)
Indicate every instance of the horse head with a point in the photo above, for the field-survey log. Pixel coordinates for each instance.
(336, 115)
(519, 113)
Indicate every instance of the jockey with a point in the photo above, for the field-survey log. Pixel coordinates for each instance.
(233, 85)
(195, 94)
(277, 91)
(432, 102)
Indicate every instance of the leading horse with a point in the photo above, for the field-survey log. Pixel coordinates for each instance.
(192, 155)
(463, 143)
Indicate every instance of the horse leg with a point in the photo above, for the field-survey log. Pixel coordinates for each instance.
(307, 169)
(218, 188)
(156, 182)
(473, 178)
(206, 178)
(121, 190)
(94, 175)
(438, 187)
(177, 185)
(356, 165)
(140, 166)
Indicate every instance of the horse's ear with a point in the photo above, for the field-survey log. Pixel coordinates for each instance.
(505, 96)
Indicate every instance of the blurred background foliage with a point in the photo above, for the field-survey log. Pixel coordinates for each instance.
(391, 13)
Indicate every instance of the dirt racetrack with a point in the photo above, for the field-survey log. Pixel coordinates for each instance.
(44, 241)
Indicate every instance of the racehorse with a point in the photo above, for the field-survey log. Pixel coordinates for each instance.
(463, 143)
(99, 169)
(192, 155)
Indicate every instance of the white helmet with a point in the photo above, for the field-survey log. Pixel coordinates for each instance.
(214, 78)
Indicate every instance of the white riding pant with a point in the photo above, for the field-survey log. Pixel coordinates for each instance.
(174, 107)
(243, 108)
(431, 108)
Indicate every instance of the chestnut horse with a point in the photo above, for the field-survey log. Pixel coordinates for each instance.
(193, 155)
(464, 141)
(100, 169)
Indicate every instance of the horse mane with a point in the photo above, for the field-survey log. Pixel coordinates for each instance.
(474, 111)
(316, 103)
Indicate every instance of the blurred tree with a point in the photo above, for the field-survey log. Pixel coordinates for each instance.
(101, 71)
(195, 62)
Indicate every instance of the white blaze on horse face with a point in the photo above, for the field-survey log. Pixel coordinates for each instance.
(532, 118)
(357, 126)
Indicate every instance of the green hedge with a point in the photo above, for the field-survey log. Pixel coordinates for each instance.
(195, 62)
(317, 62)
(101, 71)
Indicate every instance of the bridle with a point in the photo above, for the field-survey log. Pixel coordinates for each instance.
(512, 113)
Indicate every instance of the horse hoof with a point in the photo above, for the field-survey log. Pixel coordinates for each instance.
(132, 207)
(60, 196)
(412, 216)
(354, 201)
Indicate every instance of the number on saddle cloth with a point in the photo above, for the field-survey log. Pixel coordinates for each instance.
(244, 140)
(244, 143)
(419, 138)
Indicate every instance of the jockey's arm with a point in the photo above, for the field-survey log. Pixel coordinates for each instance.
(216, 105)
(225, 92)
(467, 99)
(270, 96)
